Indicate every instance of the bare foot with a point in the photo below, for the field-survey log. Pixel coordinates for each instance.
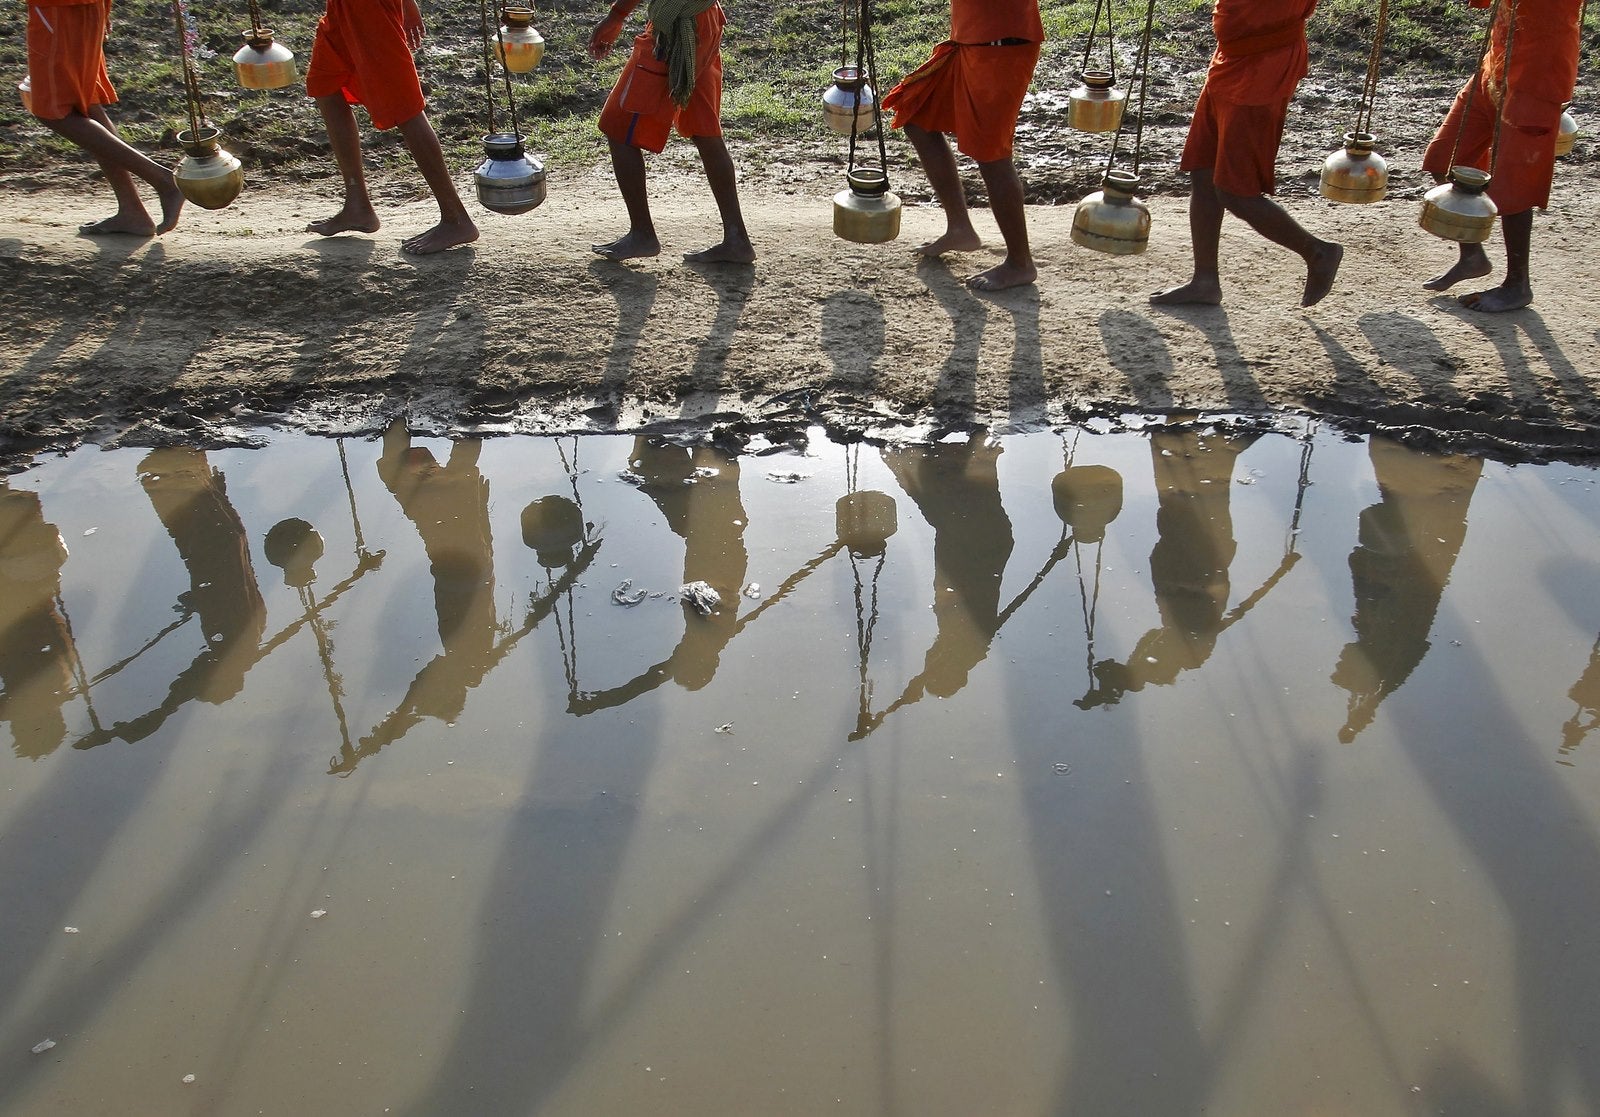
(728, 252)
(350, 219)
(171, 206)
(1473, 264)
(1320, 272)
(1199, 291)
(1003, 276)
(1498, 300)
(954, 240)
(631, 246)
(446, 234)
(120, 224)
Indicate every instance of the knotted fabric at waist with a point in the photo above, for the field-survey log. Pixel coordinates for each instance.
(1263, 42)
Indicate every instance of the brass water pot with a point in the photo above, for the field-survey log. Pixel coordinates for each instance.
(1355, 173)
(1566, 133)
(207, 176)
(1095, 106)
(868, 212)
(1112, 220)
(519, 47)
(847, 104)
(509, 181)
(264, 64)
(1459, 210)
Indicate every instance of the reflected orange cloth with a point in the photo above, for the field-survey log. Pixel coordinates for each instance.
(640, 111)
(972, 92)
(989, 21)
(1237, 143)
(360, 51)
(1525, 164)
(67, 57)
(1261, 49)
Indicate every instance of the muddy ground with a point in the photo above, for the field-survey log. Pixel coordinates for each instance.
(240, 318)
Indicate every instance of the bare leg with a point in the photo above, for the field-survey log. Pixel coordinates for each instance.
(640, 241)
(1272, 221)
(455, 224)
(1516, 290)
(939, 164)
(121, 164)
(1006, 200)
(1472, 262)
(1205, 237)
(357, 214)
(735, 247)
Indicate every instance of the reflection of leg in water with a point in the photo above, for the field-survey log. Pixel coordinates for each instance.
(1408, 545)
(1188, 565)
(698, 495)
(35, 644)
(191, 499)
(956, 487)
(1586, 693)
(449, 506)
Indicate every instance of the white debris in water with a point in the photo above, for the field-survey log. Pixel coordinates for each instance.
(706, 471)
(621, 596)
(188, 1080)
(788, 477)
(319, 913)
(69, 930)
(90, 531)
(630, 477)
(701, 596)
(753, 590)
(726, 727)
(43, 1045)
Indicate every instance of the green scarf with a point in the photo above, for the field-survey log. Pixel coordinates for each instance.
(673, 21)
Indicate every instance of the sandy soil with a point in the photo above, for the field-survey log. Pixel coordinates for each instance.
(241, 318)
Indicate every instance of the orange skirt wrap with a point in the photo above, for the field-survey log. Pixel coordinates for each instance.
(1237, 143)
(360, 51)
(972, 92)
(1525, 164)
(67, 58)
(640, 111)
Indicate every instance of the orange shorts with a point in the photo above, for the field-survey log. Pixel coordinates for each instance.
(640, 111)
(1525, 164)
(67, 58)
(971, 91)
(360, 51)
(1238, 144)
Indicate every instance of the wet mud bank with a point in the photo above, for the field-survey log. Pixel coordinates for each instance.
(241, 319)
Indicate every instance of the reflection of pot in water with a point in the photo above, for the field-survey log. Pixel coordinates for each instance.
(553, 528)
(864, 521)
(294, 547)
(1087, 498)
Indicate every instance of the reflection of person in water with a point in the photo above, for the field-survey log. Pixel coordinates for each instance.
(1407, 546)
(449, 506)
(191, 499)
(1586, 693)
(956, 488)
(1188, 565)
(35, 642)
(697, 492)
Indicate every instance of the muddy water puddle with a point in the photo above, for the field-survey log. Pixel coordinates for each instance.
(1152, 773)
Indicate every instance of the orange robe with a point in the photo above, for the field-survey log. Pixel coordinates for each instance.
(67, 57)
(640, 111)
(1529, 86)
(361, 52)
(974, 84)
(1238, 120)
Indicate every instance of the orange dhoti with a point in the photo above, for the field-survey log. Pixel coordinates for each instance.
(361, 52)
(67, 58)
(971, 91)
(640, 111)
(1525, 160)
(1237, 143)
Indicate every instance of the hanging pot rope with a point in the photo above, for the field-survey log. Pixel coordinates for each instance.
(488, 72)
(188, 40)
(867, 67)
(1111, 41)
(1142, 62)
(1477, 79)
(1369, 90)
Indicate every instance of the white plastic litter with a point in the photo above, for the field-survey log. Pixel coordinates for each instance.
(622, 596)
(43, 1045)
(701, 596)
(753, 590)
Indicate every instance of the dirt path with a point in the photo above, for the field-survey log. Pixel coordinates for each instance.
(240, 317)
